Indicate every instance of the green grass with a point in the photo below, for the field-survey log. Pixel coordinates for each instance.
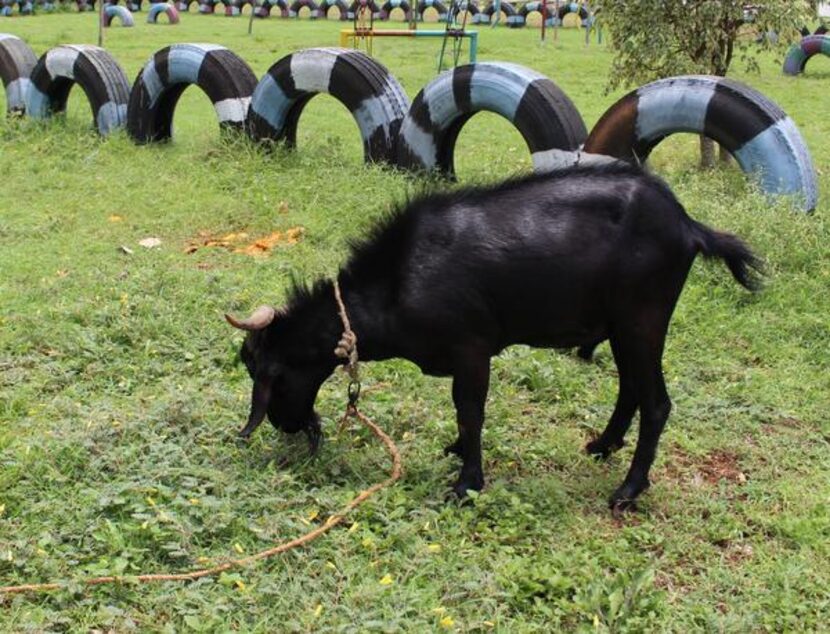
(120, 393)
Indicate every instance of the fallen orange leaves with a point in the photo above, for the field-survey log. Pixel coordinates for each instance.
(235, 241)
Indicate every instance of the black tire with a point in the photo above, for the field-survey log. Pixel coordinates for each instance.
(328, 5)
(439, 6)
(113, 11)
(370, 5)
(94, 70)
(512, 17)
(763, 139)
(294, 9)
(574, 7)
(363, 85)
(391, 5)
(226, 79)
(17, 61)
(263, 10)
(544, 115)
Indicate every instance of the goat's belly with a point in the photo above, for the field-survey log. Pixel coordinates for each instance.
(561, 338)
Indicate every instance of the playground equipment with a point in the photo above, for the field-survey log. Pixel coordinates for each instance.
(763, 139)
(363, 31)
(454, 34)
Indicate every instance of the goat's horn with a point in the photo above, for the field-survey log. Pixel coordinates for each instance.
(258, 320)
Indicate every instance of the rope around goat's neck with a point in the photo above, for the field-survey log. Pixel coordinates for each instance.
(347, 346)
(331, 522)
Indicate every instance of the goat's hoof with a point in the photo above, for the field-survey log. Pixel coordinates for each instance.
(625, 498)
(462, 487)
(601, 450)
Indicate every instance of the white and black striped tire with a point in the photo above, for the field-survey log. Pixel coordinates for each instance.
(391, 5)
(439, 7)
(574, 7)
(158, 8)
(370, 92)
(367, 5)
(16, 63)
(512, 17)
(764, 141)
(113, 11)
(544, 115)
(327, 5)
(94, 70)
(263, 9)
(313, 10)
(224, 76)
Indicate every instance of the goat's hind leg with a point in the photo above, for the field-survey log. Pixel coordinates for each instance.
(613, 438)
(645, 352)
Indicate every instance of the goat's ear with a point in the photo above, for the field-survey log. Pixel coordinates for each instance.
(258, 320)
(260, 396)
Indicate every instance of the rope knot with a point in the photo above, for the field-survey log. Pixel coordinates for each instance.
(347, 347)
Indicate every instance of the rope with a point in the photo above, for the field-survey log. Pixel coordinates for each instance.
(331, 522)
(347, 347)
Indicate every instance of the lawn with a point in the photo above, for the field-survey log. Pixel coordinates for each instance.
(121, 391)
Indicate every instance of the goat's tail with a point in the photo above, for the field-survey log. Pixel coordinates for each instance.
(746, 267)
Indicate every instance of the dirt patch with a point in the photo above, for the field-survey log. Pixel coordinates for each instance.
(709, 469)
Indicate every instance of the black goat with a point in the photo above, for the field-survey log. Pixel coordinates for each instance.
(556, 260)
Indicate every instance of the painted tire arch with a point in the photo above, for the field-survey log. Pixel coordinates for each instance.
(162, 7)
(226, 79)
(94, 70)
(17, 61)
(799, 54)
(113, 11)
(373, 96)
(763, 139)
(546, 118)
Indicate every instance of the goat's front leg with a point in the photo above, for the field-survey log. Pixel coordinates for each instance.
(471, 380)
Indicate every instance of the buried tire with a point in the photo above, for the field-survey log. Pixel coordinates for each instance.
(373, 96)
(94, 70)
(221, 74)
(544, 115)
(16, 63)
(113, 11)
(799, 54)
(763, 139)
(163, 7)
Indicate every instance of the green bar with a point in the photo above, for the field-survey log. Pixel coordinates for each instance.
(473, 35)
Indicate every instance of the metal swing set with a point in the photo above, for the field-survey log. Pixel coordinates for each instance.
(363, 32)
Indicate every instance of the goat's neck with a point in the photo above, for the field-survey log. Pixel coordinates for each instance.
(369, 309)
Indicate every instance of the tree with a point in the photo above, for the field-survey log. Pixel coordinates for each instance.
(653, 39)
